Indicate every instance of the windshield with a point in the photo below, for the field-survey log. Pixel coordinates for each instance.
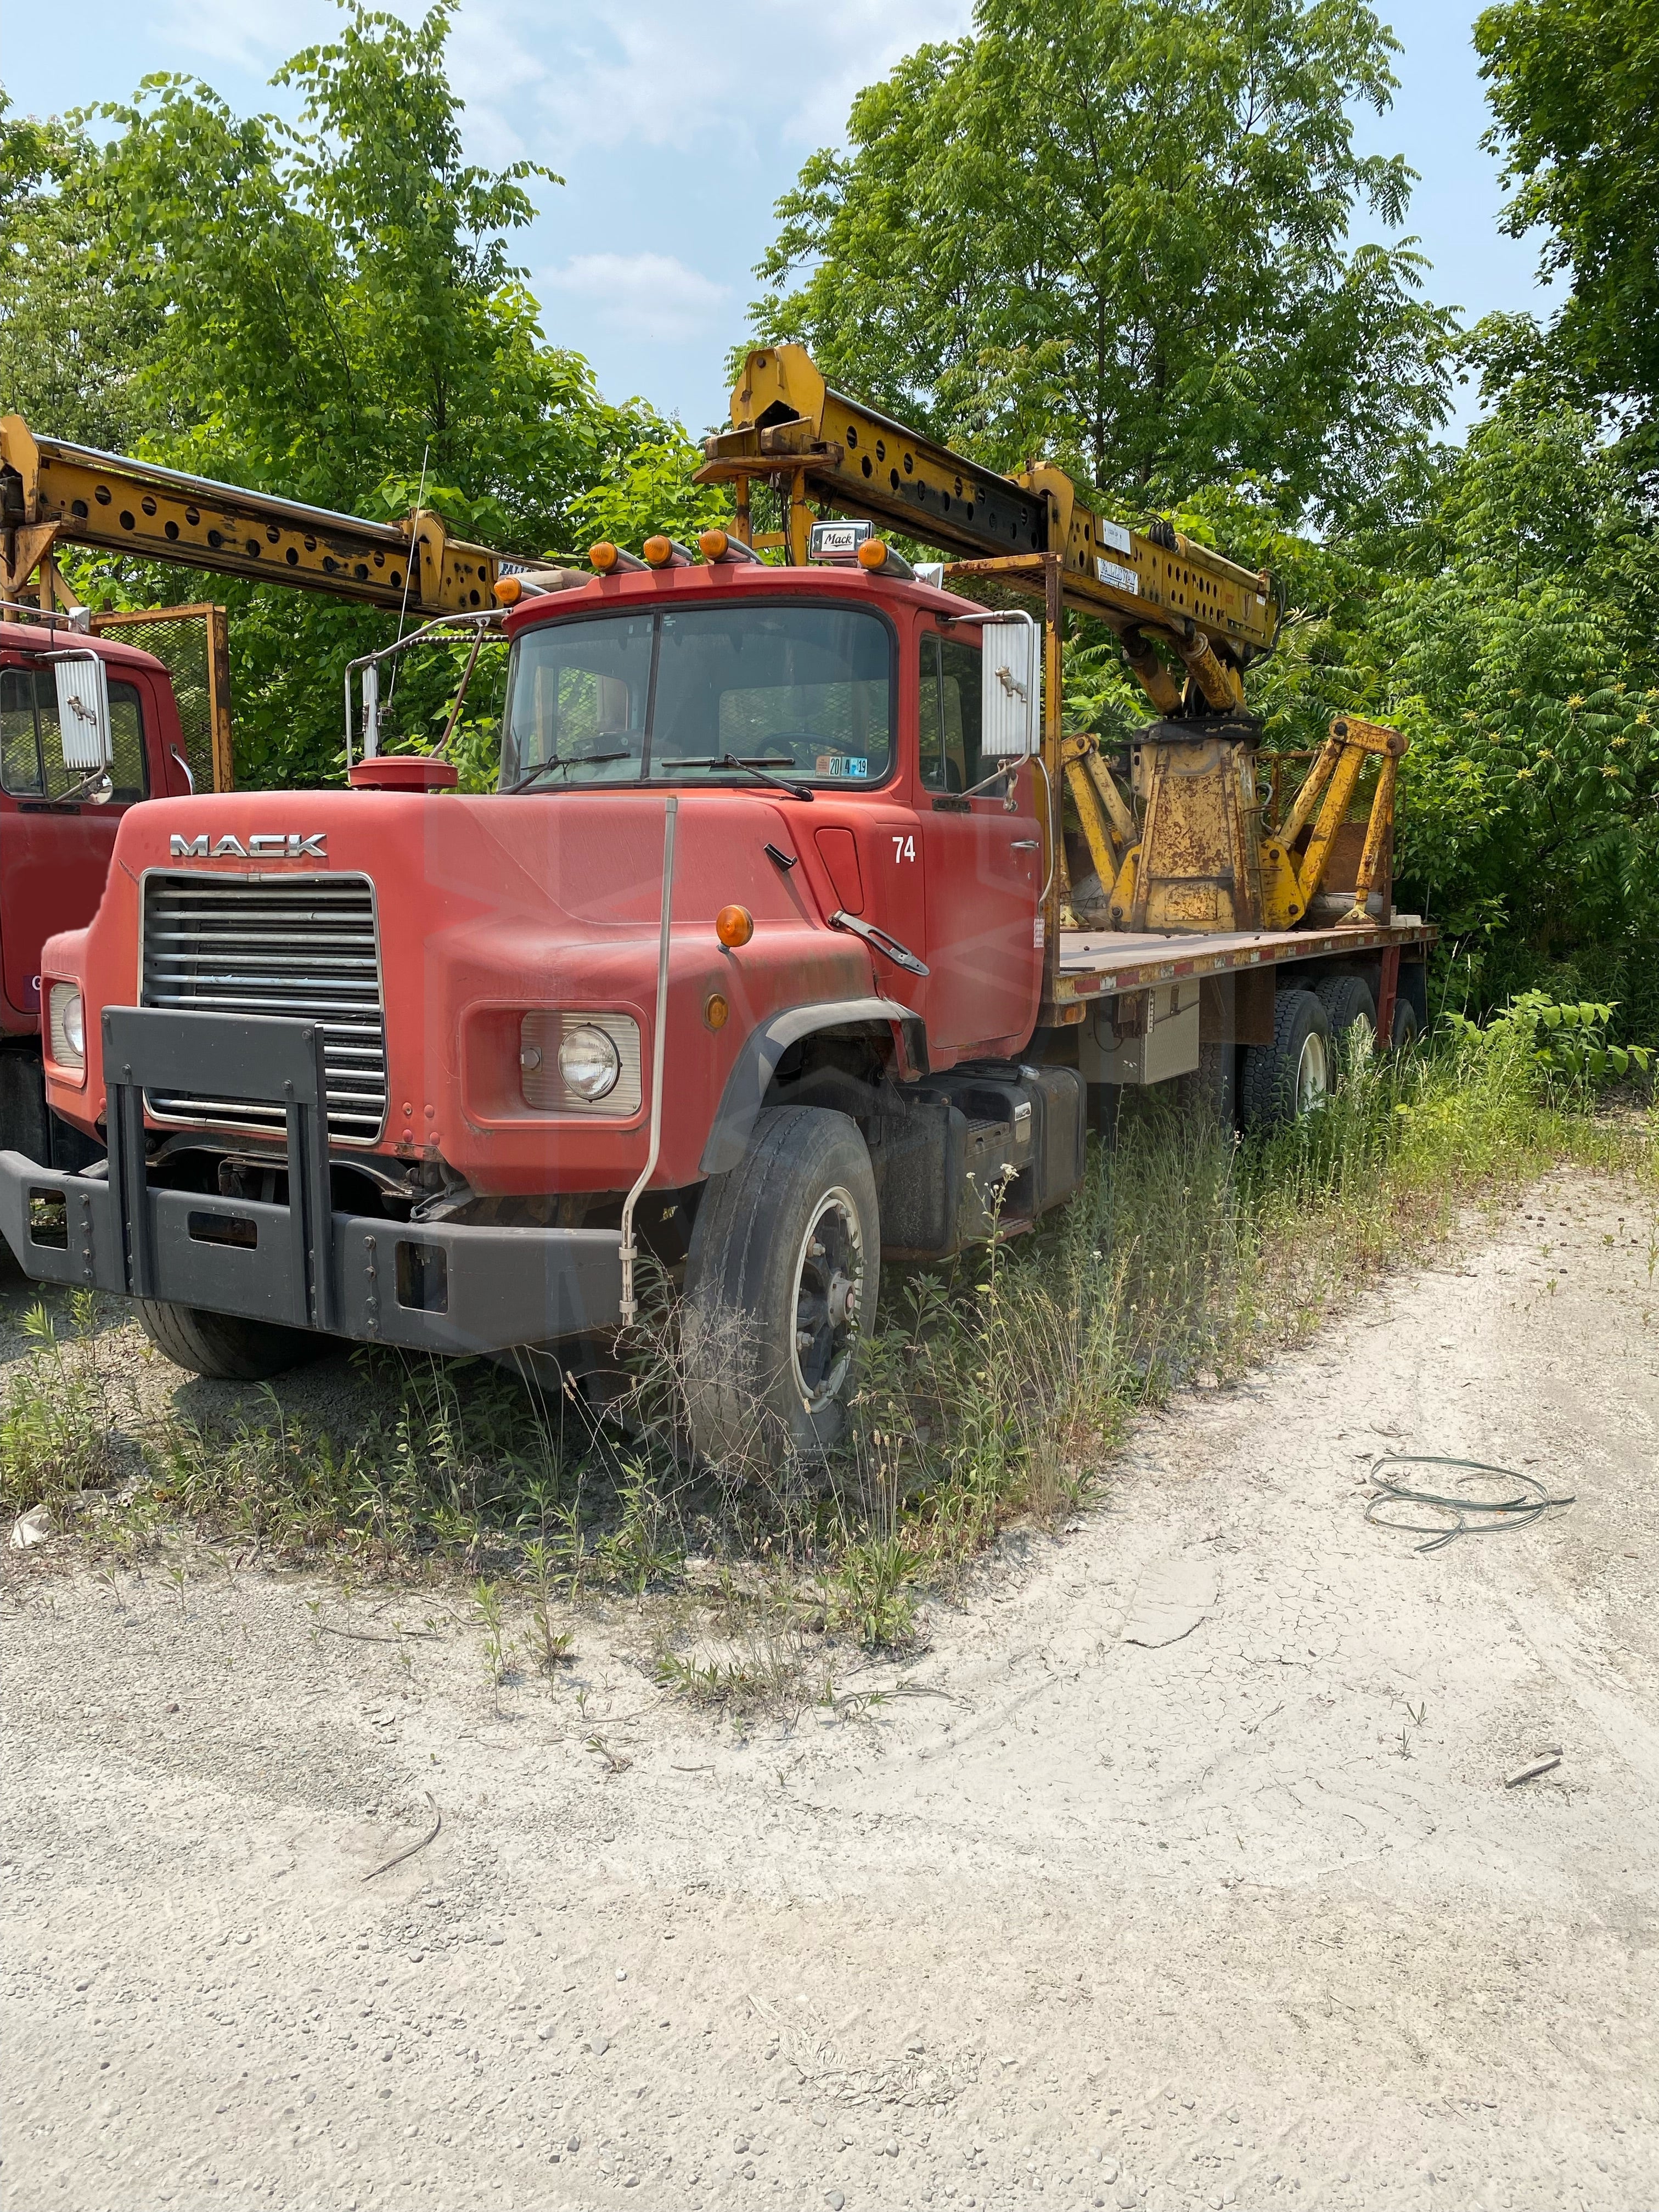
(804, 692)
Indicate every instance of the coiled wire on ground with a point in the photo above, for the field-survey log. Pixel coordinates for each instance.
(1471, 1517)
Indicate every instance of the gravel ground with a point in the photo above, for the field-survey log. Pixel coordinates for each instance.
(1246, 1918)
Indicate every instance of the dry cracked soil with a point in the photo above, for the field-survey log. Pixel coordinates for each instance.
(1046, 1916)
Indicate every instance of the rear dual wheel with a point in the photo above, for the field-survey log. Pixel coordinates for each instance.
(1281, 1082)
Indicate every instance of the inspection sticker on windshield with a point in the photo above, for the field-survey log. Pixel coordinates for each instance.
(839, 764)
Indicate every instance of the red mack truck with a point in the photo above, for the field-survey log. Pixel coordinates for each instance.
(797, 934)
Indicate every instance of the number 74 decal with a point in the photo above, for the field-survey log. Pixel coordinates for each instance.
(904, 848)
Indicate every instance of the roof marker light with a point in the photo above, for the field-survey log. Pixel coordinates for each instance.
(608, 558)
(715, 545)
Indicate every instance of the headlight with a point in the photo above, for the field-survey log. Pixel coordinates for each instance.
(579, 1063)
(589, 1063)
(67, 1025)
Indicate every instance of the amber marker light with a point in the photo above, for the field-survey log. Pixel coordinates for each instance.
(658, 551)
(712, 545)
(873, 554)
(602, 556)
(734, 926)
(715, 1010)
(509, 590)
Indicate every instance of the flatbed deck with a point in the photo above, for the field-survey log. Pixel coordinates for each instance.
(1096, 963)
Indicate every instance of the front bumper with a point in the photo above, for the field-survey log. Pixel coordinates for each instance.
(430, 1287)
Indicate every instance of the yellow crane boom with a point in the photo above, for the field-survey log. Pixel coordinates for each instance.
(789, 427)
(53, 494)
(1188, 851)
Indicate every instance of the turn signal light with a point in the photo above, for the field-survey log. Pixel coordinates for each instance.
(734, 926)
(715, 1010)
(509, 590)
(873, 554)
(602, 557)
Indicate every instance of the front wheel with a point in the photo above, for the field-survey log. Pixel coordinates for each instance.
(225, 1347)
(781, 1282)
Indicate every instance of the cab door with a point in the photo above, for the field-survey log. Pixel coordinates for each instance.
(982, 866)
(55, 839)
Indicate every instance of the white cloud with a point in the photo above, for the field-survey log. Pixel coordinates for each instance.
(640, 295)
(248, 34)
(548, 76)
(675, 73)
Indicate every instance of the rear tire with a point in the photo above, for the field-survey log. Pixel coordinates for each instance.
(1406, 1028)
(1290, 1078)
(1349, 1005)
(1210, 1093)
(225, 1347)
(781, 1282)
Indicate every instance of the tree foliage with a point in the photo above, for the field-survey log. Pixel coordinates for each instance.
(1114, 231)
(1572, 88)
(75, 324)
(327, 309)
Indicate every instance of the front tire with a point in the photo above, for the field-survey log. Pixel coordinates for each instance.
(225, 1347)
(781, 1282)
(1289, 1079)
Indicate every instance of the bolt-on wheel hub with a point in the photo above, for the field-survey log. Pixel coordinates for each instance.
(1312, 1075)
(829, 1275)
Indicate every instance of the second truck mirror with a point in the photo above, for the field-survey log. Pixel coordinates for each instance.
(1008, 677)
(83, 724)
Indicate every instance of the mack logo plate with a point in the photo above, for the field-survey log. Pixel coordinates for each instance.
(264, 845)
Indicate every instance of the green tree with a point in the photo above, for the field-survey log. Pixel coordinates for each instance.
(340, 305)
(1572, 88)
(326, 309)
(1114, 231)
(76, 325)
(1508, 626)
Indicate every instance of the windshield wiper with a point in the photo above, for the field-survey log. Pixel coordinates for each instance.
(749, 767)
(572, 759)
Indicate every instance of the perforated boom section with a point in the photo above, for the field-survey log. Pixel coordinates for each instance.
(305, 946)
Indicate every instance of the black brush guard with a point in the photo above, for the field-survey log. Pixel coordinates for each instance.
(435, 1287)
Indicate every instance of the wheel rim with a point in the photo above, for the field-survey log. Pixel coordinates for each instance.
(827, 1285)
(1312, 1075)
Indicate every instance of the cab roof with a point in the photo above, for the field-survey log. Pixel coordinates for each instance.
(737, 580)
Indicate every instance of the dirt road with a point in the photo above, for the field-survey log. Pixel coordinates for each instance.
(1244, 1917)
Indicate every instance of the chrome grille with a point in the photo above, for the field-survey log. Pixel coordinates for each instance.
(306, 946)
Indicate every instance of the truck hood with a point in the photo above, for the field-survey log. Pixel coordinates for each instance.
(487, 908)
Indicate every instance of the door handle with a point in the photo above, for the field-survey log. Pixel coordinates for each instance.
(1023, 845)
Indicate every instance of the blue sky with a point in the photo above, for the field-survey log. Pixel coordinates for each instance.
(676, 131)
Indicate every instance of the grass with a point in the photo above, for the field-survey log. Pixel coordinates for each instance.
(994, 1391)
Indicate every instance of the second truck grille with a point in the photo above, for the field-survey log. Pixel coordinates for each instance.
(306, 946)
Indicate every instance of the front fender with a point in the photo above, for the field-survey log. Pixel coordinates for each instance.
(752, 1071)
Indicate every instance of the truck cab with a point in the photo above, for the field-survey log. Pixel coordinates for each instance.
(63, 794)
(738, 970)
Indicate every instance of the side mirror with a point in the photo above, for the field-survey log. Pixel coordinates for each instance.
(83, 724)
(1010, 691)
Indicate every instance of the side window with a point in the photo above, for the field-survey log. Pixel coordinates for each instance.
(949, 714)
(32, 749)
(20, 735)
(129, 769)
